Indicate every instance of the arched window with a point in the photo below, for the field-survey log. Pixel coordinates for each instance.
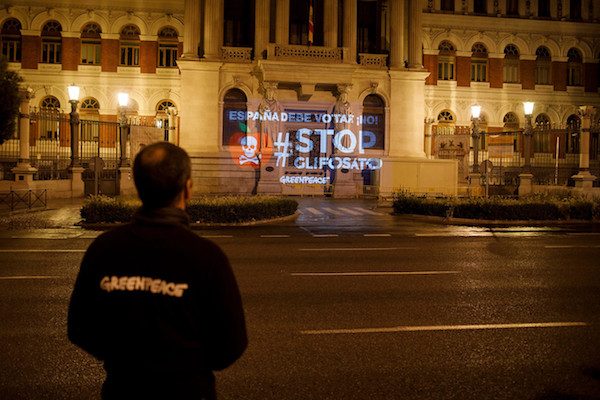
(130, 46)
(373, 126)
(51, 42)
(90, 44)
(479, 63)
(445, 124)
(164, 108)
(90, 104)
(543, 65)
(446, 61)
(234, 114)
(10, 35)
(574, 67)
(541, 133)
(572, 134)
(50, 102)
(167, 47)
(511, 64)
(90, 114)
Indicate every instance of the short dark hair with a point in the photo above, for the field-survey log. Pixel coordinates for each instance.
(160, 173)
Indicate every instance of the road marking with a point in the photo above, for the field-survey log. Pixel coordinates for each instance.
(450, 234)
(367, 211)
(274, 236)
(331, 210)
(349, 211)
(572, 247)
(325, 235)
(40, 251)
(377, 235)
(216, 236)
(396, 329)
(6, 278)
(379, 273)
(313, 211)
(583, 233)
(358, 249)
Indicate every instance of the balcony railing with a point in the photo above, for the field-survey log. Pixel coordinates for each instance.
(319, 54)
(375, 61)
(236, 54)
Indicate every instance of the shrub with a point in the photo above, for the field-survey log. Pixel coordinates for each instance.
(229, 209)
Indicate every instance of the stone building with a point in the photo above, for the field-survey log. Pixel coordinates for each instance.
(396, 77)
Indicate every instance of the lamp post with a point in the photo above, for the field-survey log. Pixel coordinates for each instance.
(123, 128)
(74, 122)
(528, 109)
(475, 113)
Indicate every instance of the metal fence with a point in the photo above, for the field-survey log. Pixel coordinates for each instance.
(23, 199)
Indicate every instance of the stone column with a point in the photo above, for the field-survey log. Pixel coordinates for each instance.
(24, 171)
(415, 35)
(282, 24)
(584, 179)
(213, 29)
(261, 28)
(396, 33)
(428, 135)
(331, 23)
(192, 21)
(350, 30)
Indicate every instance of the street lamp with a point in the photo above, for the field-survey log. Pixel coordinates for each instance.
(74, 122)
(475, 113)
(528, 109)
(123, 99)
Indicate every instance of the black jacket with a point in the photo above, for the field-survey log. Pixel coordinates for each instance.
(157, 303)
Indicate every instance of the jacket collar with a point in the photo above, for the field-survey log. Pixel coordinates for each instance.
(162, 216)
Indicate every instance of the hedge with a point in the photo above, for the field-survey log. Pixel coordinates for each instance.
(540, 207)
(228, 209)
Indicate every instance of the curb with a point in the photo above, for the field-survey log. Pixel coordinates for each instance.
(496, 223)
(103, 226)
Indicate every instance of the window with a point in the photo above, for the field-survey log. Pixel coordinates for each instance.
(446, 61)
(234, 114)
(511, 124)
(479, 63)
(238, 25)
(541, 133)
(163, 109)
(445, 123)
(299, 15)
(512, 8)
(511, 64)
(447, 5)
(130, 46)
(572, 134)
(50, 102)
(167, 48)
(575, 10)
(369, 27)
(90, 44)
(48, 124)
(544, 8)
(480, 6)
(90, 115)
(373, 127)
(574, 67)
(543, 65)
(51, 43)
(11, 40)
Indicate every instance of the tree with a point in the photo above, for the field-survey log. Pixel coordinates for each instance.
(9, 100)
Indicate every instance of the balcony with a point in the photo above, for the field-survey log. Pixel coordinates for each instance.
(236, 54)
(315, 54)
(374, 61)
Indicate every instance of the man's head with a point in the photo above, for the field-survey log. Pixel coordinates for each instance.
(162, 175)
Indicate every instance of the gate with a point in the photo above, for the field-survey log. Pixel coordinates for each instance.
(99, 150)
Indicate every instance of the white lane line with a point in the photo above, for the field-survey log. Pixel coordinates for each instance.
(349, 211)
(325, 235)
(572, 247)
(358, 249)
(377, 235)
(367, 211)
(397, 329)
(216, 236)
(40, 251)
(313, 211)
(379, 273)
(583, 233)
(23, 277)
(457, 234)
(332, 211)
(274, 236)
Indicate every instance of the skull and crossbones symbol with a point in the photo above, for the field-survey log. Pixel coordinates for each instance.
(250, 148)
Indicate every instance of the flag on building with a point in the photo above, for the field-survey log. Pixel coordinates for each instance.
(311, 25)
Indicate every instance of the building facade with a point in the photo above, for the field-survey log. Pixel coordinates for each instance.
(373, 94)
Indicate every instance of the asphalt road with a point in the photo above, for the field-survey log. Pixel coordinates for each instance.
(343, 306)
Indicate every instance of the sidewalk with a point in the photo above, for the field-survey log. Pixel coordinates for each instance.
(59, 213)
